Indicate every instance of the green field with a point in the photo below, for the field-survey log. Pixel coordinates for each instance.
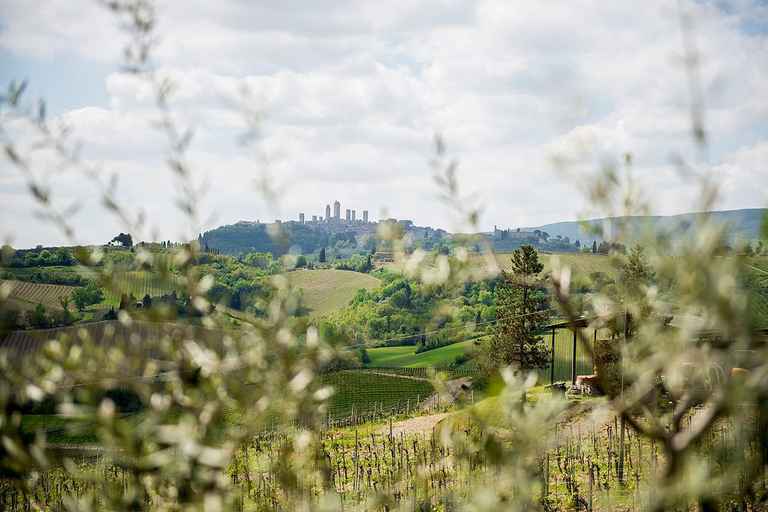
(329, 290)
(34, 273)
(759, 262)
(405, 355)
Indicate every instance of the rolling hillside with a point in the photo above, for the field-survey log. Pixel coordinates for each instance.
(582, 265)
(329, 290)
(27, 295)
(142, 336)
(138, 283)
(744, 224)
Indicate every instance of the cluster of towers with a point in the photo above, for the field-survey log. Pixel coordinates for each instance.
(351, 215)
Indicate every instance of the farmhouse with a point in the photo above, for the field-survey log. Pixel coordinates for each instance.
(384, 257)
(514, 234)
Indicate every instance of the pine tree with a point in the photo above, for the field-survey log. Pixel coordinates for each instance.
(635, 276)
(520, 316)
(636, 271)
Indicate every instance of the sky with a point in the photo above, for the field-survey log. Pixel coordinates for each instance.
(531, 99)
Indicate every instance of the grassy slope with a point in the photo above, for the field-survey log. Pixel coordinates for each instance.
(329, 290)
(760, 262)
(406, 355)
(27, 273)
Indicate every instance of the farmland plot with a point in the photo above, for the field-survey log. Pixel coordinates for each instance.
(143, 337)
(27, 295)
(367, 391)
(138, 283)
(406, 356)
(581, 265)
(329, 290)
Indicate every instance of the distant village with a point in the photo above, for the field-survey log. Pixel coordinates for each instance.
(332, 222)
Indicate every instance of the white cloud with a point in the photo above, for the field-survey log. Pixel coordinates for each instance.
(744, 176)
(45, 28)
(354, 91)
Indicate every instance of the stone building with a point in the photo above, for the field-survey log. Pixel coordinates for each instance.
(384, 257)
(513, 234)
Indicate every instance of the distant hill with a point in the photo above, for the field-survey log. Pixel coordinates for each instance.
(343, 237)
(745, 225)
(250, 237)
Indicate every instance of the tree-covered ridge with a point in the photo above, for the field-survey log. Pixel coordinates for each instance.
(247, 238)
(239, 284)
(406, 311)
(40, 257)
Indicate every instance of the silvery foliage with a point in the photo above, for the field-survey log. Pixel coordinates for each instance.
(266, 368)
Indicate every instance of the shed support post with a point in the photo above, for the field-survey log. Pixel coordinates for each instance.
(552, 362)
(573, 361)
(594, 343)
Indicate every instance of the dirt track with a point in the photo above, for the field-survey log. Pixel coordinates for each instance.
(416, 425)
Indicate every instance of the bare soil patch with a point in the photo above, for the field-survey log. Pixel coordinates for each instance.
(416, 425)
